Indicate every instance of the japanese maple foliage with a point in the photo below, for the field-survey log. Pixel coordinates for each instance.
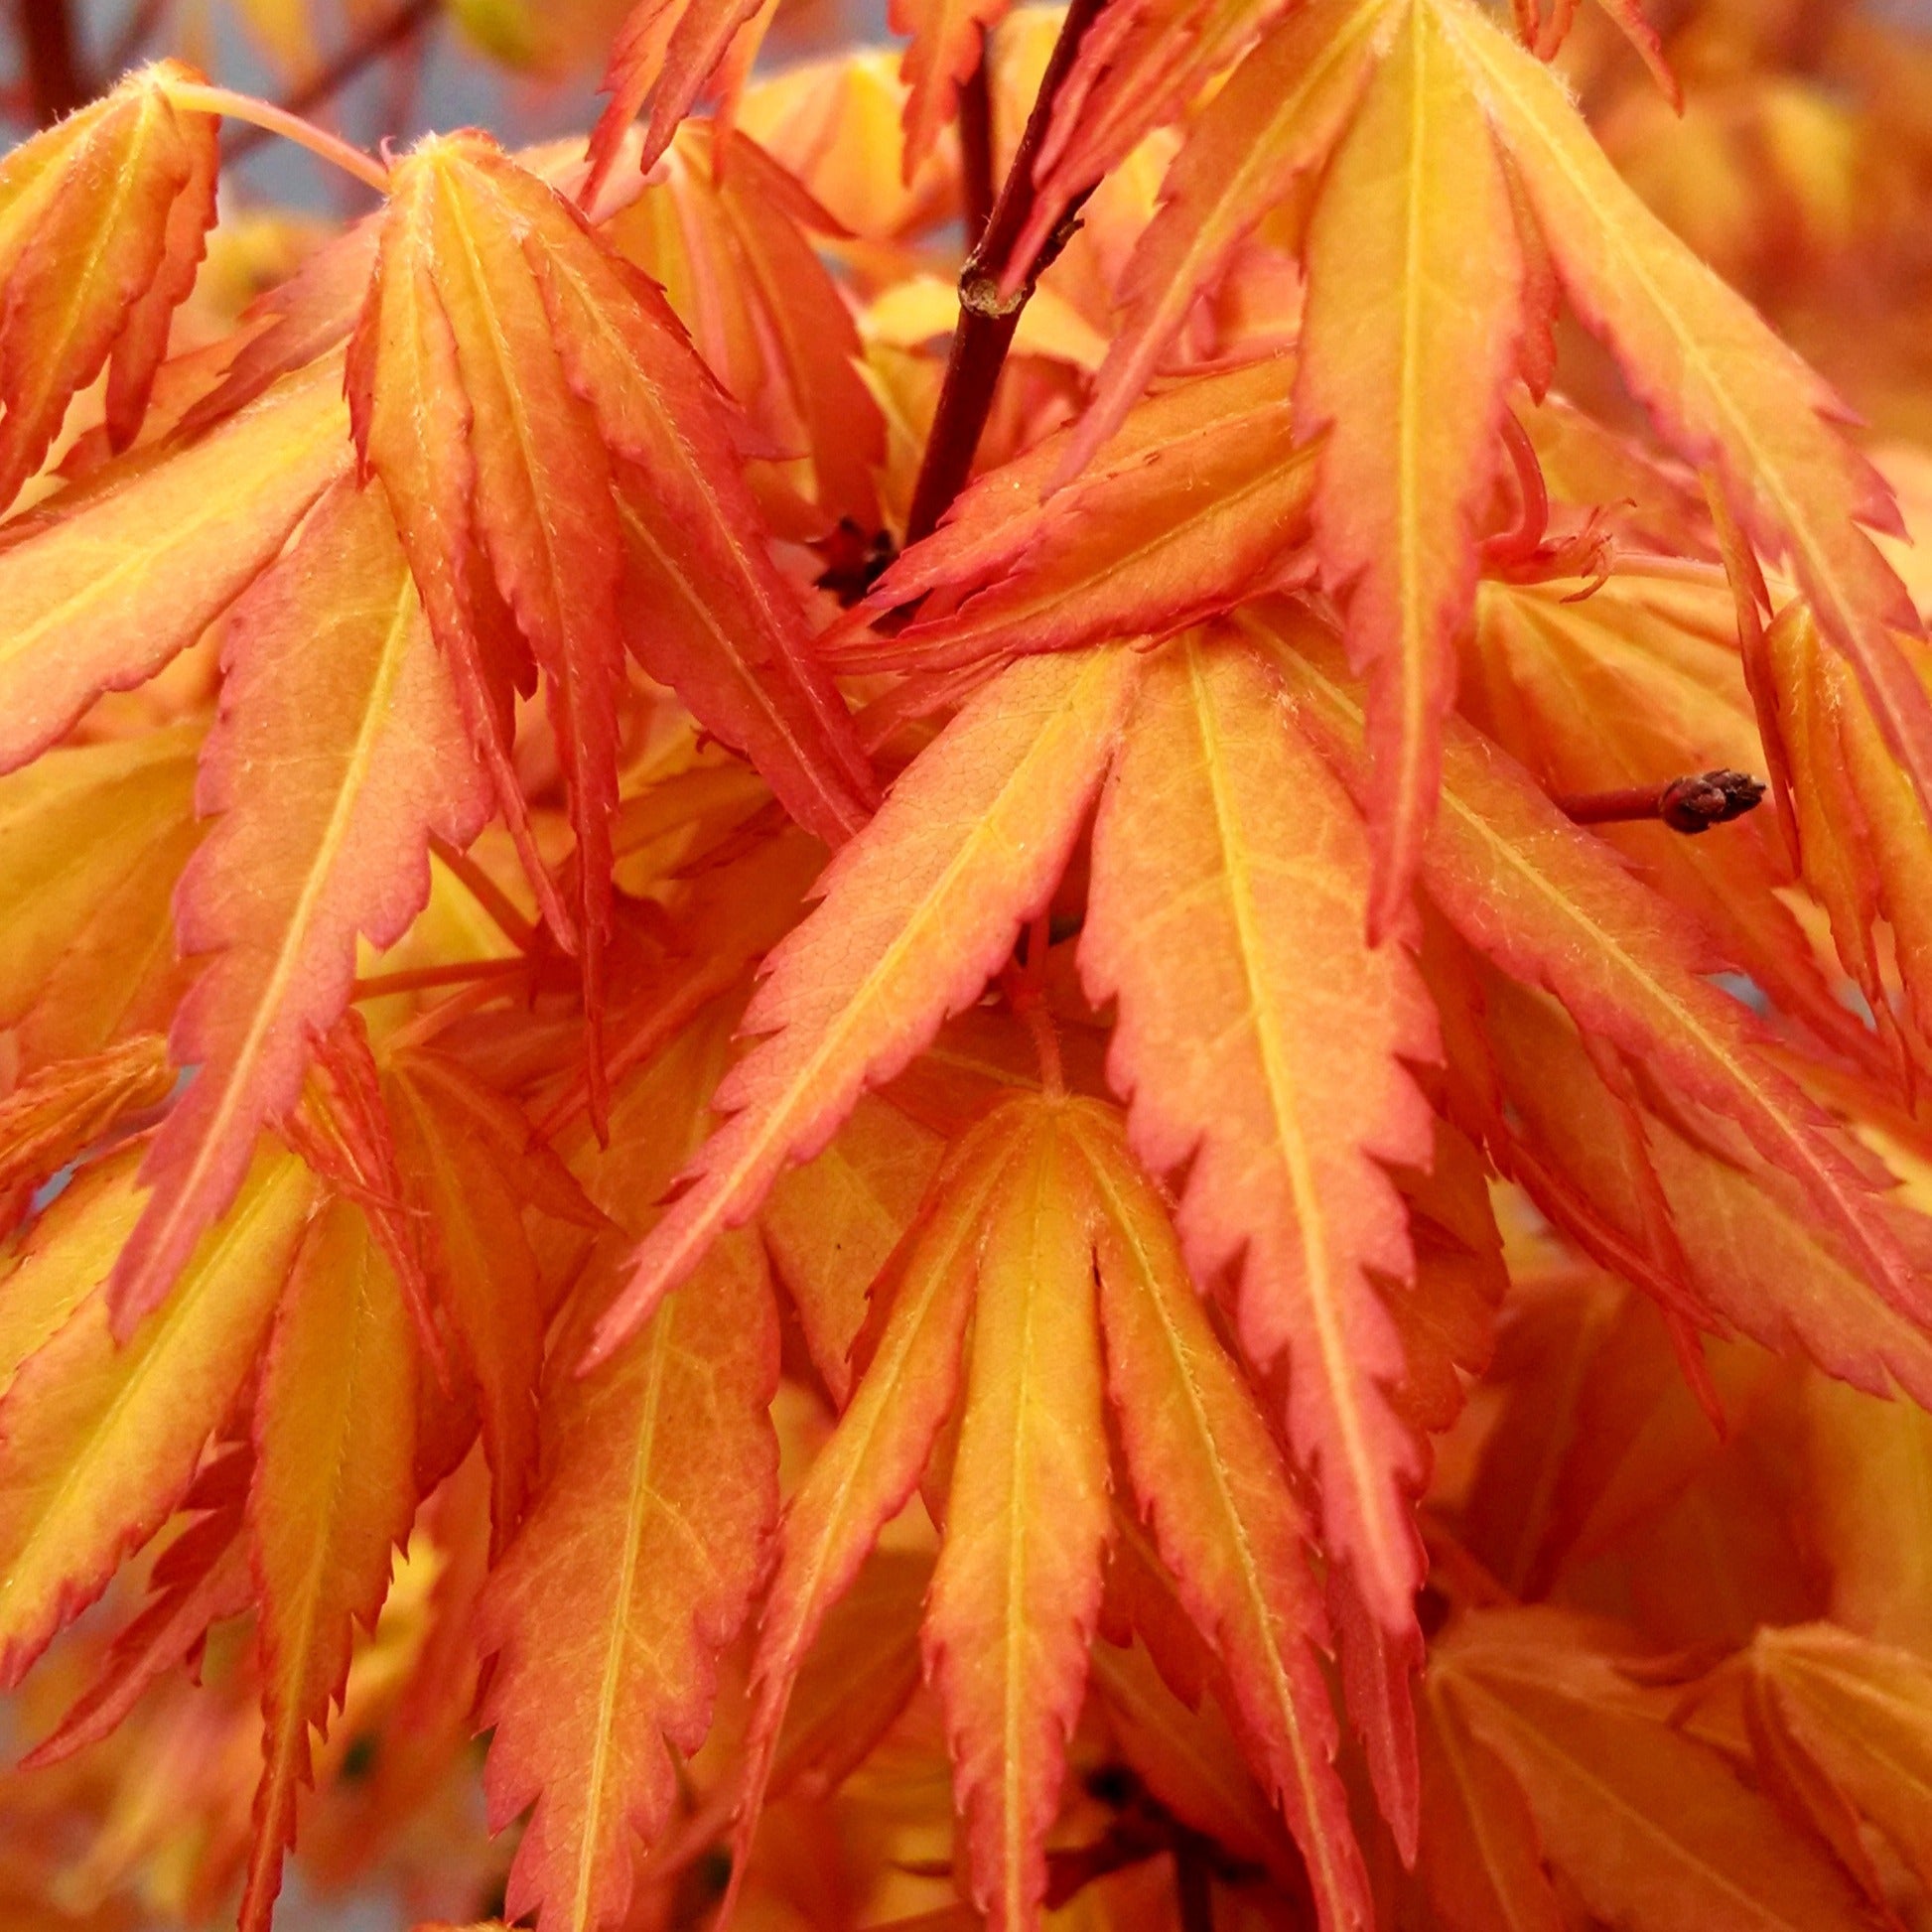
(889, 959)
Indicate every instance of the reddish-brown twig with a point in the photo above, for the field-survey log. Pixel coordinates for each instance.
(1688, 805)
(987, 318)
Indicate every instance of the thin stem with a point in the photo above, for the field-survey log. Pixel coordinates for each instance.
(328, 81)
(488, 894)
(976, 146)
(987, 319)
(54, 77)
(1519, 545)
(425, 979)
(1688, 805)
(266, 116)
(1193, 1896)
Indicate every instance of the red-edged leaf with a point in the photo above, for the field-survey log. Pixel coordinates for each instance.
(1719, 384)
(201, 1577)
(1407, 349)
(1553, 907)
(332, 1500)
(99, 594)
(99, 1441)
(833, 1224)
(58, 1113)
(1742, 1232)
(947, 36)
(1262, 1041)
(102, 219)
(339, 754)
(1212, 1481)
(633, 1569)
(866, 1471)
(1016, 1591)
(1278, 117)
(1201, 495)
(916, 913)
(665, 54)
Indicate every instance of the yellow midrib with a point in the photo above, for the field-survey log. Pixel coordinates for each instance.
(719, 1194)
(591, 1846)
(268, 1005)
(1260, 1611)
(212, 508)
(1690, 343)
(79, 1471)
(1320, 1287)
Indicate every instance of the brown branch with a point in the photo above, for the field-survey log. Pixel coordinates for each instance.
(1688, 805)
(55, 80)
(327, 81)
(987, 319)
(1193, 1896)
(976, 146)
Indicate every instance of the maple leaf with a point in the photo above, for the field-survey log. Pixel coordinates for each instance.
(638, 1560)
(729, 234)
(947, 40)
(1198, 497)
(471, 1161)
(831, 1225)
(1223, 1516)
(914, 918)
(1740, 1234)
(102, 219)
(201, 1579)
(99, 1441)
(334, 690)
(57, 1114)
(1277, 119)
(1857, 1718)
(505, 374)
(331, 1500)
(1484, 1870)
(1221, 836)
(1017, 1590)
(875, 1456)
(1139, 66)
(666, 54)
(1719, 384)
(91, 841)
(112, 579)
(1861, 833)
(1577, 923)
(1611, 1788)
(1644, 677)
(1434, 325)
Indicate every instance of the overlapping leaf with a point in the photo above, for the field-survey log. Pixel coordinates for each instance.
(331, 1500)
(1016, 1591)
(1407, 355)
(1553, 907)
(102, 219)
(115, 578)
(506, 374)
(1717, 382)
(1201, 496)
(915, 915)
(339, 755)
(638, 1557)
(98, 1440)
(1227, 919)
